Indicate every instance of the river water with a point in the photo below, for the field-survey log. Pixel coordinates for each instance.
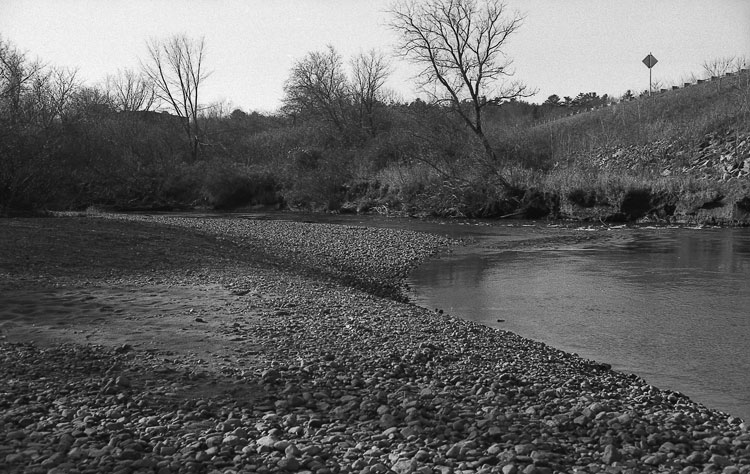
(671, 305)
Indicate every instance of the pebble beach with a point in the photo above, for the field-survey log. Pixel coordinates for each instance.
(271, 346)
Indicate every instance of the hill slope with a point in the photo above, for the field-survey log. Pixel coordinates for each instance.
(680, 155)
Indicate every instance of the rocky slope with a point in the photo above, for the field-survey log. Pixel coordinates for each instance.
(720, 157)
(705, 185)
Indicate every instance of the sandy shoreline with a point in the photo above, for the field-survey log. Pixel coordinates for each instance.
(217, 345)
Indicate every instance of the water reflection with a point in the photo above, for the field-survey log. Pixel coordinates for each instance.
(668, 304)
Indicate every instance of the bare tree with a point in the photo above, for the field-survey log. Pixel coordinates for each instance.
(88, 103)
(17, 74)
(34, 100)
(460, 45)
(740, 63)
(51, 92)
(317, 85)
(130, 91)
(369, 73)
(719, 66)
(175, 67)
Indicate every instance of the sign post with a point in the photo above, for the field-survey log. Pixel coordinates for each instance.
(649, 61)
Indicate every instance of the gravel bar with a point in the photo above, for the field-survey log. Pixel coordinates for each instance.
(323, 368)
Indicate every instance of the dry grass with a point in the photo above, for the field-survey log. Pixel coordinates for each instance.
(681, 117)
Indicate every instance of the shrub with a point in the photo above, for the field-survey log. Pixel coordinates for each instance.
(744, 203)
(316, 178)
(636, 203)
(582, 197)
(229, 185)
(184, 184)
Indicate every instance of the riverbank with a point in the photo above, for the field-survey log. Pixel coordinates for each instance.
(232, 345)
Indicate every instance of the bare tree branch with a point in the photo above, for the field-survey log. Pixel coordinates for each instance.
(175, 68)
(17, 74)
(318, 85)
(719, 66)
(460, 45)
(131, 91)
(50, 92)
(369, 73)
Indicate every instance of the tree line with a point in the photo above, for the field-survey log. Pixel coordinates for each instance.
(146, 139)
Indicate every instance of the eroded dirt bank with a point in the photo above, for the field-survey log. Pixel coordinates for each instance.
(214, 345)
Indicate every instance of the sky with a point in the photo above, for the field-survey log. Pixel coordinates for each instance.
(564, 46)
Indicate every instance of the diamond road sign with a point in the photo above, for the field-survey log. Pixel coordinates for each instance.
(650, 61)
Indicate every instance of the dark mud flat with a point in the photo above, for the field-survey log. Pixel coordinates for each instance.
(137, 344)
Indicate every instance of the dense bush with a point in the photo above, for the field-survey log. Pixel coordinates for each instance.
(316, 179)
(228, 185)
(583, 197)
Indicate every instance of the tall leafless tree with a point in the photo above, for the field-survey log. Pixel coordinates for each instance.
(175, 67)
(318, 85)
(369, 73)
(51, 92)
(461, 47)
(130, 91)
(17, 74)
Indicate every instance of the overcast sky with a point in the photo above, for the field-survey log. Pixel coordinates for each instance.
(564, 47)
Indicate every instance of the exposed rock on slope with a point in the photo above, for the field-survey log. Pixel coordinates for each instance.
(719, 157)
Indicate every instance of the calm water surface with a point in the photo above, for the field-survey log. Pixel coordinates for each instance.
(669, 304)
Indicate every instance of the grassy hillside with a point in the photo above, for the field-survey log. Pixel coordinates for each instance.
(678, 155)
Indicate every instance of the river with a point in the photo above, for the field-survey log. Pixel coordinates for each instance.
(671, 305)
